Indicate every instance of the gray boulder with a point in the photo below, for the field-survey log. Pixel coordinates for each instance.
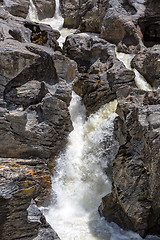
(45, 8)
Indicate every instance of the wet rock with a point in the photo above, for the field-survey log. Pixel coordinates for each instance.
(101, 73)
(147, 62)
(134, 201)
(45, 9)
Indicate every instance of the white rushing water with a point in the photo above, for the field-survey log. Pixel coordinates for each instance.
(79, 180)
(139, 79)
(56, 22)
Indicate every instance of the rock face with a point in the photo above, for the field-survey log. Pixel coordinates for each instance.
(134, 201)
(101, 73)
(73, 10)
(21, 180)
(35, 91)
(45, 9)
(147, 62)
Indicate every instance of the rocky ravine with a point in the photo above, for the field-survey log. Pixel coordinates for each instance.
(36, 79)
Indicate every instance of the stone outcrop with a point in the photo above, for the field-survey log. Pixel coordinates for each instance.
(126, 23)
(21, 180)
(134, 201)
(73, 10)
(45, 8)
(35, 92)
(17, 8)
(101, 73)
(147, 62)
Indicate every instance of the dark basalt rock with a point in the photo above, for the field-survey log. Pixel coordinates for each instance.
(134, 201)
(126, 23)
(101, 73)
(73, 10)
(45, 8)
(147, 62)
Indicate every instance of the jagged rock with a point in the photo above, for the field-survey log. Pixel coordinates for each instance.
(125, 22)
(134, 201)
(27, 74)
(73, 10)
(17, 8)
(150, 23)
(101, 72)
(93, 19)
(26, 31)
(45, 232)
(30, 112)
(45, 8)
(21, 180)
(147, 62)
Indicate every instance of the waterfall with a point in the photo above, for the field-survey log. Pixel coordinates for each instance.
(139, 79)
(79, 180)
(56, 22)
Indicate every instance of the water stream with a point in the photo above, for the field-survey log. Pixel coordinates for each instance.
(79, 180)
(139, 79)
(56, 22)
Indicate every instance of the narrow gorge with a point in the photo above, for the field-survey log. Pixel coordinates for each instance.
(79, 120)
